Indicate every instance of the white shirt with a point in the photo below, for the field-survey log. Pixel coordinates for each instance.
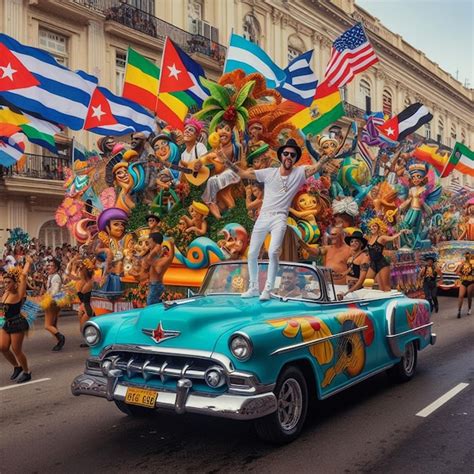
(196, 151)
(54, 284)
(279, 190)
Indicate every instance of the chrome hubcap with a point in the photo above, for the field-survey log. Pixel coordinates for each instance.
(409, 358)
(290, 403)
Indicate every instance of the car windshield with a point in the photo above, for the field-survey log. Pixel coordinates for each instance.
(292, 281)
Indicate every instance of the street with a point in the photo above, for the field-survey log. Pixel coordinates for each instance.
(372, 427)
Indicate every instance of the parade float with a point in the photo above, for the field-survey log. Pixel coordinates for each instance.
(207, 213)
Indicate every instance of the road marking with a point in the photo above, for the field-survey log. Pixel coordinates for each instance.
(8, 387)
(441, 400)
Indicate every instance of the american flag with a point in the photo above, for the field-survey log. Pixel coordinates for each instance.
(351, 53)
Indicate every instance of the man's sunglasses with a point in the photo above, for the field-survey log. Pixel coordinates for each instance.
(291, 154)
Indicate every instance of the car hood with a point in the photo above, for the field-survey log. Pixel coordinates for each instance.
(199, 322)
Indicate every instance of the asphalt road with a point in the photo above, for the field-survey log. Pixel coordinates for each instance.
(372, 427)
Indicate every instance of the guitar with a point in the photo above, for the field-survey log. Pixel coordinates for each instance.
(195, 178)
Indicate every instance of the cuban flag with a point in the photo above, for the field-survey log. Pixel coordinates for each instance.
(12, 149)
(300, 83)
(110, 114)
(248, 56)
(32, 80)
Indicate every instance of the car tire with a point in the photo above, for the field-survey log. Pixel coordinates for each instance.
(285, 424)
(132, 410)
(404, 370)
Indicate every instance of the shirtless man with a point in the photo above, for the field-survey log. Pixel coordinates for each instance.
(335, 255)
(159, 261)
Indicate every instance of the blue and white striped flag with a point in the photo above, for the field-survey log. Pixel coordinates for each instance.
(300, 84)
(60, 95)
(245, 55)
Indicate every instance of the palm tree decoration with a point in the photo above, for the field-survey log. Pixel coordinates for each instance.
(226, 104)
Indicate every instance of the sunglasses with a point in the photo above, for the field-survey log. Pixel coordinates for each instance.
(291, 154)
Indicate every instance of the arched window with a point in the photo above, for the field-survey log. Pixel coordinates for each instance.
(251, 29)
(52, 235)
(364, 95)
(452, 136)
(440, 137)
(296, 47)
(428, 130)
(387, 102)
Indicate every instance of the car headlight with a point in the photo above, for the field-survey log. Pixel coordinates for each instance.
(214, 377)
(91, 334)
(240, 346)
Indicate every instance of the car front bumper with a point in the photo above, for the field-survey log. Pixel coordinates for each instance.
(183, 400)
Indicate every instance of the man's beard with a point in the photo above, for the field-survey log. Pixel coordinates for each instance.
(287, 163)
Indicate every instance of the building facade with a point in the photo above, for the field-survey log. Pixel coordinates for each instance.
(94, 35)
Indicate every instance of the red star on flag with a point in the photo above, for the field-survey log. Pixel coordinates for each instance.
(174, 75)
(390, 128)
(99, 113)
(13, 75)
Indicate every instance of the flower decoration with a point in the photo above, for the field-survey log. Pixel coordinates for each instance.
(69, 212)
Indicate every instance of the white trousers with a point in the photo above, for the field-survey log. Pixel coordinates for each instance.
(273, 223)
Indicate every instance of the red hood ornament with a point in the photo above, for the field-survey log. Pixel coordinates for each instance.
(159, 334)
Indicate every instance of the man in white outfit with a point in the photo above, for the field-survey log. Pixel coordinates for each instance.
(280, 187)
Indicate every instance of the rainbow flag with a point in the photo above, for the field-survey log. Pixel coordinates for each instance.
(326, 108)
(40, 132)
(141, 80)
(461, 159)
(428, 154)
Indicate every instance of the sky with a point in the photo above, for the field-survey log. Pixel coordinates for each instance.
(442, 29)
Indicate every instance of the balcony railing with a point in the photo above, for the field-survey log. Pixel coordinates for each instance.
(132, 14)
(39, 166)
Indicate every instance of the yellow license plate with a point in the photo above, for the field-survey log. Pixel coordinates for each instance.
(141, 397)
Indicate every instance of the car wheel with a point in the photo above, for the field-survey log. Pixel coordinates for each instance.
(405, 369)
(285, 424)
(132, 410)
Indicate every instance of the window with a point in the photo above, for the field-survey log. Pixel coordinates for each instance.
(452, 137)
(440, 137)
(293, 53)
(251, 29)
(147, 6)
(343, 92)
(120, 63)
(428, 130)
(387, 102)
(56, 44)
(195, 13)
(364, 95)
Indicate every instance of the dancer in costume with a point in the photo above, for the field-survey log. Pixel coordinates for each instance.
(379, 265)
(159, 261)
(280, 187)
(429, 274)
(465, 270)
(358, 263)
(16, 326)
(51, 312)
(83, 277)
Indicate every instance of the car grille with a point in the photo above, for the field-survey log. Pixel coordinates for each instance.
(157, 366)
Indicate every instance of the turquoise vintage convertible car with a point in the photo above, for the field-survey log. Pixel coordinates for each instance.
(218, 354)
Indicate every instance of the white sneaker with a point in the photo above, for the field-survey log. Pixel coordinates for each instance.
(265, 296)
(250, 293)
(468, 312)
